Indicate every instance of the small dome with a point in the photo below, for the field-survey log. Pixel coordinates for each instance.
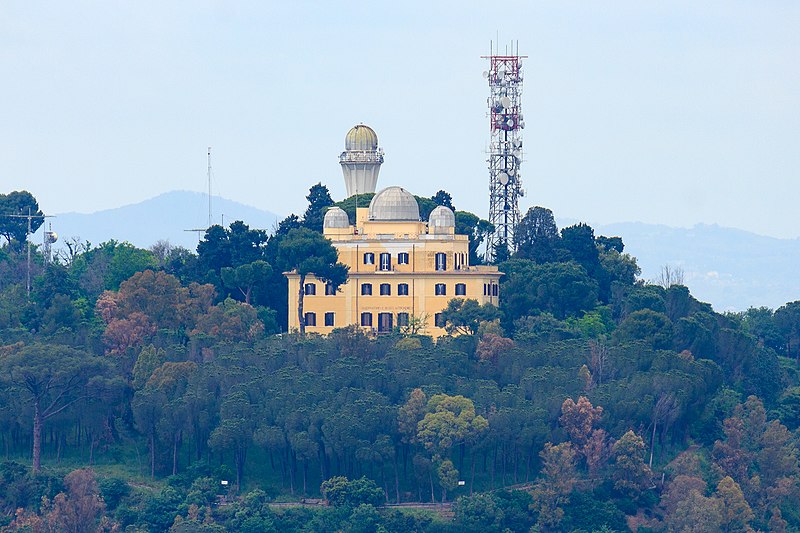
(361, 137)
(336, 218)
(442, 217)
(394, 203)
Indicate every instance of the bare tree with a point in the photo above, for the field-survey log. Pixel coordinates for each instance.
(75, 247)
(665, 410)
(669, 276)
(598, 357)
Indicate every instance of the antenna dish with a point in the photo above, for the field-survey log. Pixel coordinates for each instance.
(485, 74)
(505, 101)
(503, 178)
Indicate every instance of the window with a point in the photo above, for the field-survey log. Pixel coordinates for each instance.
(311, 319)
(495, 289)
(366, 289)
(386, 262)
(402, 319)
(366, 319)
(402, 258)
(461, 289)
(329, 291)
(369, 258)
(402, 289)
(485, 289)
(328, 319)
(438, 320)
(441, 289)
(441, 261)
(386, 289)
(310, 289)
(384, 322)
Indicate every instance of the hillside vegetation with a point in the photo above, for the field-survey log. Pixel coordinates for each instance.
(152, 390)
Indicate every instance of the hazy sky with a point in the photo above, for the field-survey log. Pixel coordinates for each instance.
(665, 112)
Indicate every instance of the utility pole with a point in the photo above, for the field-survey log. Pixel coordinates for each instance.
(30, 218)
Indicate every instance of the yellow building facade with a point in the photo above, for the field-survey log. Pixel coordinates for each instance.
(403, 271)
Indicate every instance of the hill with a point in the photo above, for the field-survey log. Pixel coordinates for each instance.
(730, 268)
(165, 217)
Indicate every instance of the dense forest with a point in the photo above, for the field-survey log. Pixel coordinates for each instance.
(150, 390)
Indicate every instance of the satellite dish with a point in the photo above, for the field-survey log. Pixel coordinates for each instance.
(503, 178)
(510, 122)
(517, 154)
(485, 74)
(505, 101)
(52, 237)
(511, 172)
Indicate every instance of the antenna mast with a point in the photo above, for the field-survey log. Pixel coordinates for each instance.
(505, 149)
(209, 187)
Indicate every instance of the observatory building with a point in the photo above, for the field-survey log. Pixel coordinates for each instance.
(403, 270)
(361, 160)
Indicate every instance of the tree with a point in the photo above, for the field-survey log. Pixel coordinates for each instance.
(342, 492)
(477, 229)
(53, 378)
(579, 419)
(443, 198)
(787, 318)
(736, 513)
(464, 317)
(18, 204)
(450, 420)
(578, 241)
(319, 200)
(77, 510)
(696, 514)
(562, 289)
(536, 236)
(650, 326)
(491, 346)
(238, 245)
(306, 252)
(230, 320)
(631, 474)
(245, 277)
(551, 492)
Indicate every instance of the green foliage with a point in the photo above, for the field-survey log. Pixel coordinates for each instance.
(319, 199)
(342, 492)
(18, 203)
(562, 289)
(464, 316)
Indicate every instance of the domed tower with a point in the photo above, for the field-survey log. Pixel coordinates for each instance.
(361, 160)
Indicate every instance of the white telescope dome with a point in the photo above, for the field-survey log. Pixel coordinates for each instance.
(336, 218)
(394, 203)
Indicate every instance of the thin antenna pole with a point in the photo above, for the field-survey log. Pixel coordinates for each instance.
(28, 238)
(209, 187)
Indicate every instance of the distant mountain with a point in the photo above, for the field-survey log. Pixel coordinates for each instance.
(165, 217)
(729, 268)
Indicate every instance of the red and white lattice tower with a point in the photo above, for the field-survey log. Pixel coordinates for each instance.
(505, 150)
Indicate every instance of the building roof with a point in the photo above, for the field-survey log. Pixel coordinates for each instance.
(361, 137)
(336, 217)
(394, 204)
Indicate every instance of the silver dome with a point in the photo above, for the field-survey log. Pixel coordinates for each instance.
(336, 218)
(394, 203)
(441, 217)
